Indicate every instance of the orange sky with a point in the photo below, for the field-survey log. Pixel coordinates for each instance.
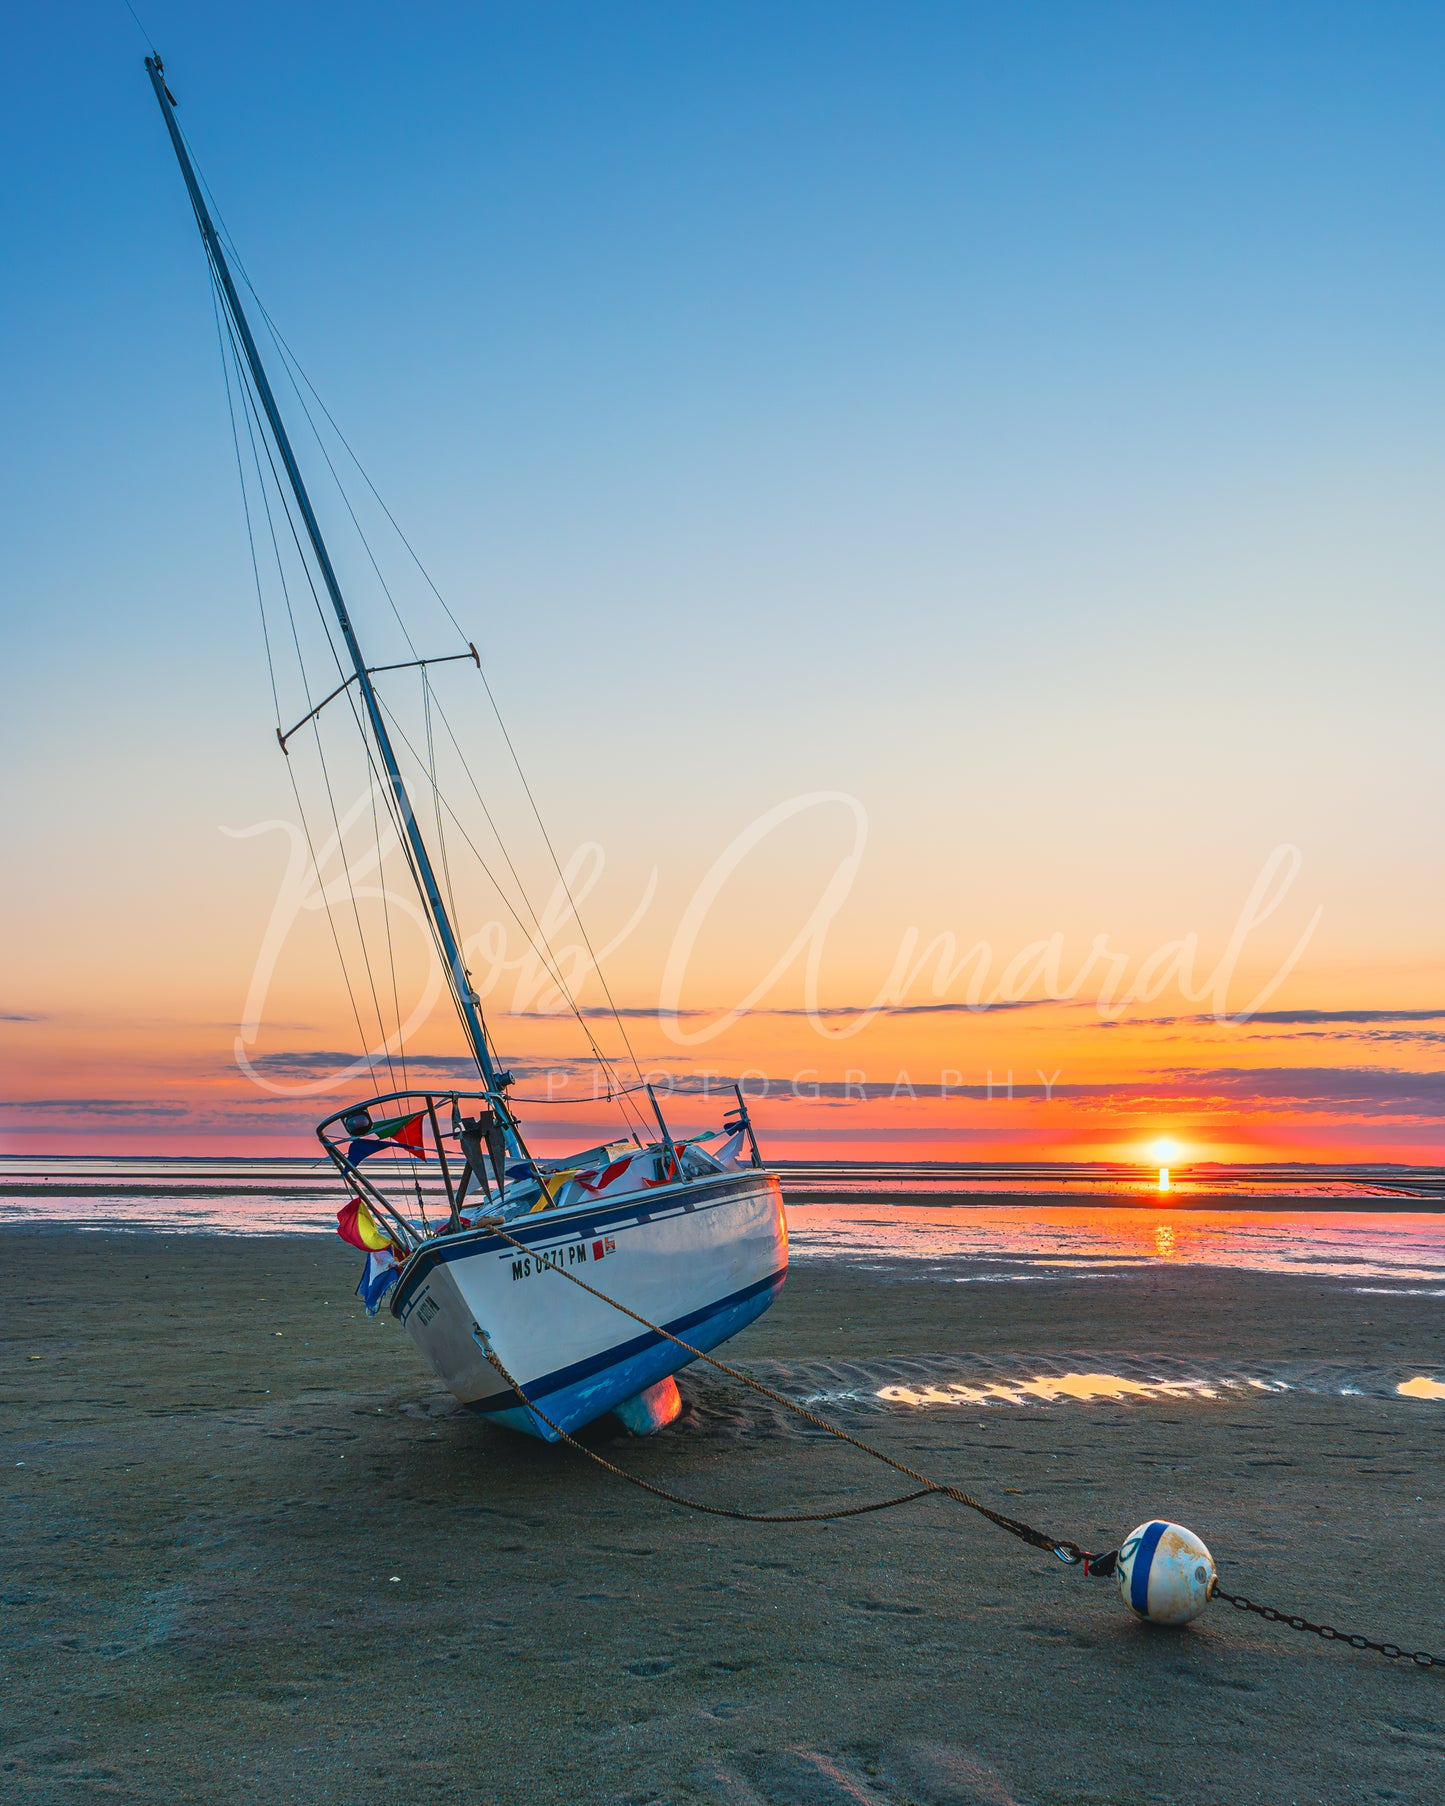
(874, 1038)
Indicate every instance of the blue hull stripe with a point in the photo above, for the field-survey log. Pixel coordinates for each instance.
(759, 1295)
(1143, 1561)
(579, 1404)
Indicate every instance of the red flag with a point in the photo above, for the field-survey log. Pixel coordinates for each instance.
(667, 1175)
(596, 1182)
(407, 1133)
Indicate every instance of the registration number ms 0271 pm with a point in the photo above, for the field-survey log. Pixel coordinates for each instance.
(570, 1254)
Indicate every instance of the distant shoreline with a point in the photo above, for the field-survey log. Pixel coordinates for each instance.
(1272, 1204)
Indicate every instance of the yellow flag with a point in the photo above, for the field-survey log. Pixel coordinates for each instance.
(366, 1228)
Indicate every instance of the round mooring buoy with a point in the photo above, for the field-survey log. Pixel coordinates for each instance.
(1165, 1573)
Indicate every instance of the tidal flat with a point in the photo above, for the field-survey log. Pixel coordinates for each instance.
(253, 1551)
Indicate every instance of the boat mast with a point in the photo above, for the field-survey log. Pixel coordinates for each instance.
(467, 1002)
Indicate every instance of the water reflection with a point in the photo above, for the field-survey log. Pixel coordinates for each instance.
(1421, 1388)
(1034, 1388)
(1036, 1241)
(892, 1214)
(1079, 1386)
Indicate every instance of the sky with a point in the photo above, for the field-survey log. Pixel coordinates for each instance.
(921, 480)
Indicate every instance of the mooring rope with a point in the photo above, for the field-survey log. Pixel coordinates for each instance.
(1068, 1551)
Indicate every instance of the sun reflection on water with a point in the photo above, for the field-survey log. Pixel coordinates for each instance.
(1421, 1388)
(1035, 1241)
(1048, 1388)
(1089, 1388)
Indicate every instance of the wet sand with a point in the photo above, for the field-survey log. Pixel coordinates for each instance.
(224, 1464)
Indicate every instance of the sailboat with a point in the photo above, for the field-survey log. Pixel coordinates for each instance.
(672, 1237)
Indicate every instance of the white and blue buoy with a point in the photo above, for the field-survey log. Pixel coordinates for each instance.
(1165, 1573)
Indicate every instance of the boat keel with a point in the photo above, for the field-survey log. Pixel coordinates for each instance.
(652, 1409)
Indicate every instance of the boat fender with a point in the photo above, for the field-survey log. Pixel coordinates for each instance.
(1165, 1573)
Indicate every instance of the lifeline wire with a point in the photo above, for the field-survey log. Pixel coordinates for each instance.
(1068, 1552)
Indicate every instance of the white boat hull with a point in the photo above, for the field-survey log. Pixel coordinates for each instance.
(701, 1258)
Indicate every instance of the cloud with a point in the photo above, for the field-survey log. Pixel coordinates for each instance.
(832, 1010)
(313, 1063)
(1284, 1019)
(1415, 1037)
(1369, 1092)
(1360, 1088)
(1304, 1018)
(600, 1011)
(833, 1132)
(19, 1016)
(931, 1009)
(98, 1106)
(873, 1091)
(306, 1061)
(1358, 1091)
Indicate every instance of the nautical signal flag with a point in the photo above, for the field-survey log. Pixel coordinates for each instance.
(356, 1224)
(597, 1182)
(403, 1132)
(378, 1276)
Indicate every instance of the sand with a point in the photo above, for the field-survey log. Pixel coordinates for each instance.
(225, 1464)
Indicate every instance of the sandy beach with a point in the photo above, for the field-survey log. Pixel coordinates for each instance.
(253, 1552)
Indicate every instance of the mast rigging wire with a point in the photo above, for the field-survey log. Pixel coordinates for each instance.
(294, 369)
(266, 638)
(538, 940)
(390, 951)
(431, 771)
(289, 360)
(251, 425)
(393, 804)
(543, 950)
(141, 29)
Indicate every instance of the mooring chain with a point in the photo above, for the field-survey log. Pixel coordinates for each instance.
(1069, 1552)
(1066, 1550)
(1418, 1656)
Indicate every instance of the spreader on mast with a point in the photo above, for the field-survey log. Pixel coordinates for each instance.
(467, 1003)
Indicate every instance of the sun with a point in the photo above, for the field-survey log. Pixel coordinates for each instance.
(1164, 1152)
